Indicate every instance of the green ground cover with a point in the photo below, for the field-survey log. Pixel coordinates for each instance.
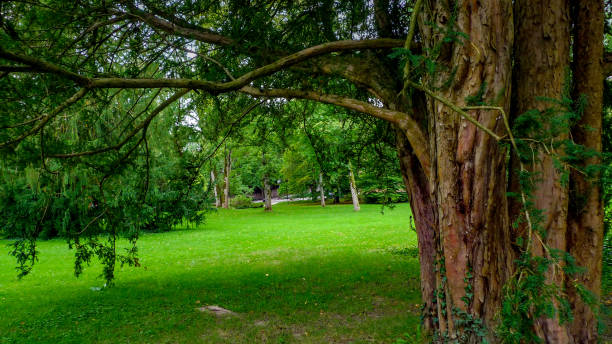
(299, 274)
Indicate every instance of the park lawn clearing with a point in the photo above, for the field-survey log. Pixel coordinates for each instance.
(302, 273)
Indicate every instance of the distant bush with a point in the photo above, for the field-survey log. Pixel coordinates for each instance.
(380, 197)
(244, 202)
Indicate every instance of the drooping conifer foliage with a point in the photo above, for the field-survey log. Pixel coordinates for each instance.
(111, 109)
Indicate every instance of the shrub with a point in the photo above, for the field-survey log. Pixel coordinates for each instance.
(380, 197)
(244, 202)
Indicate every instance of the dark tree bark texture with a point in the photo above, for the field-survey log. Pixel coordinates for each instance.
(541, 70)
(585, 225)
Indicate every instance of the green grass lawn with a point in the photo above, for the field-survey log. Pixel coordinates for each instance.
(299, 274)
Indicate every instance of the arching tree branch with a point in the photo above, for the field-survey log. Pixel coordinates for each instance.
(198, 34)
(44, 120)
(412, 129)
(210, 86)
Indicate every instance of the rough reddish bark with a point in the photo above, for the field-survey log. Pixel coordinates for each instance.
(541, 64)
(585, 225)
(467, 185)
(422, 207)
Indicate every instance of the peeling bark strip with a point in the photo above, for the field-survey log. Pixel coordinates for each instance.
(467, 193)
(541, 64)
(585, 223)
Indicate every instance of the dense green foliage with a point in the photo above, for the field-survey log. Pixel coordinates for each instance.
(112, 162)
(91, 200)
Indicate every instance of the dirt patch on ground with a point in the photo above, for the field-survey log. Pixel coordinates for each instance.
(217, 311)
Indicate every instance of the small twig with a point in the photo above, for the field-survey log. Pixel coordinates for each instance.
(413, 20)
(131, 134)
(231, 128)
(43, 121)
(92, 221)
(11, 126)
(457, 109)
(42, 152)
(521, 166)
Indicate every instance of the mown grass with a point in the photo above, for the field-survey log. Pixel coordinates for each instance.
(299, 274)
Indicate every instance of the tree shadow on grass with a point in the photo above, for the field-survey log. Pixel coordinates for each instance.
(336, 299)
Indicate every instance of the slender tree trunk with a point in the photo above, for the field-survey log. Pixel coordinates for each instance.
(213, 178)
(354, 194)
(464, 202)
(266, 182)
(337, 195)
(267, 194)
(226, 174)
(541, 65)
(321, 190)
(585, 225)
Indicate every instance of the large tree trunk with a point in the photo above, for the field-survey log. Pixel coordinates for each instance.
(462, 215)
(464, 201)
(321, 190)
(541, 65)
(216, 189)
(354, 194)
(585, 225)
(226, 174)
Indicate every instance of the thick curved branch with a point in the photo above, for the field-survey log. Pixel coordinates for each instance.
(198, 34)
(210, 86)
(132, 133)
(43, 121)
(413, 131)
(366, 71)
(266, 70)
(94, 27)
(43, 66)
